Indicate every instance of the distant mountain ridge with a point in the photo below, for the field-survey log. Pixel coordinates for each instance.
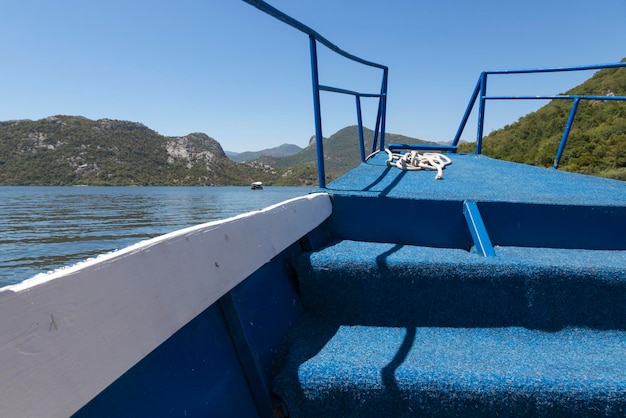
(341, 151)
(68, 150)
(73, 150)
(284, 150)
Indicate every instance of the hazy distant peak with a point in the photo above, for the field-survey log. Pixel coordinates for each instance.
(284, 150)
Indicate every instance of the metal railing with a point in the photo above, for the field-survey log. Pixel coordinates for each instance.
(314, 39)
(480, 95)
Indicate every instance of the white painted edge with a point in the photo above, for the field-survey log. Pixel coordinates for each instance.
(65, 336)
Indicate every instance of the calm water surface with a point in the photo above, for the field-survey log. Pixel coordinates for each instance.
(43, 228)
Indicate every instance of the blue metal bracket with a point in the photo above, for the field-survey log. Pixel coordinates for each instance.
(477, 229)
(570, 120)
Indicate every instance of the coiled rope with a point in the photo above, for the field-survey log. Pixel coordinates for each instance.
(413, 160)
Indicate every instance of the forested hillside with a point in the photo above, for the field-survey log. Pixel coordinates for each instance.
(597, 141)
(341, 151)
(284, 150)
(71, 150)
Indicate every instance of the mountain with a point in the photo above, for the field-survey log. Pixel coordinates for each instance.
(341, 152)
(597, 141)
(73, 150)
(70, 150)
(284, 150)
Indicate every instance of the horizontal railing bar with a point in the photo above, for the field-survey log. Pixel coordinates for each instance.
(423, 147)
(616, 98)
(480, 93)
(272, 11)
(559, 69)
(570, 97)
(353, 93)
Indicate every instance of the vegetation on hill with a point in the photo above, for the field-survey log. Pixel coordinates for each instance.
(597, 141)
(72, 150)
(341, 152)
(284, 150)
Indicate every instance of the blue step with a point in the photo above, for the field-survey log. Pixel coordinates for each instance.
(363, 371)
(365, 283)
(404, 330)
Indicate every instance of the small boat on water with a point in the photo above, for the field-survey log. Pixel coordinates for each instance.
(497, 291)
(257, 185)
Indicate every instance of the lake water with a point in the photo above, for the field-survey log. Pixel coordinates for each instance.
(44, 228)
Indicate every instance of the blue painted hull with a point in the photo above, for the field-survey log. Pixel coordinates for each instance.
(221, 363)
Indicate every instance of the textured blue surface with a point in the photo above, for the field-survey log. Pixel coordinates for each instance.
(520, 205)
(398, 330)
(404, 318)
(355, 282)
(376, 371)
(480, 178)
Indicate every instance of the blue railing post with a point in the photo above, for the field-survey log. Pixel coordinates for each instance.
(383, 100)
(468, 112)
(359, 119)
(314, 38)
(568, 126)
(319, 141)
(481, 113)
(380, 116)
(376, 126)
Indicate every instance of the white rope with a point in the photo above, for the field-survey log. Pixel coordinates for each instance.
(371, 155)
(413, 160)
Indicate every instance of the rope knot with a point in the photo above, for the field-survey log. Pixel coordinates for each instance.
(413, 160)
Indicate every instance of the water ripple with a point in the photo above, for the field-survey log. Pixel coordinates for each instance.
(44, 228)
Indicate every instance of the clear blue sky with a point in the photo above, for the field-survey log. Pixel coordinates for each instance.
(226, 69)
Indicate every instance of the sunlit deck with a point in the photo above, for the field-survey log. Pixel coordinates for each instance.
(480, 178)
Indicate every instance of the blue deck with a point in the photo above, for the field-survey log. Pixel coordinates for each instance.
(519, 205)
(497, 291)
(388, 309)
(404, 317)
(480, 178)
